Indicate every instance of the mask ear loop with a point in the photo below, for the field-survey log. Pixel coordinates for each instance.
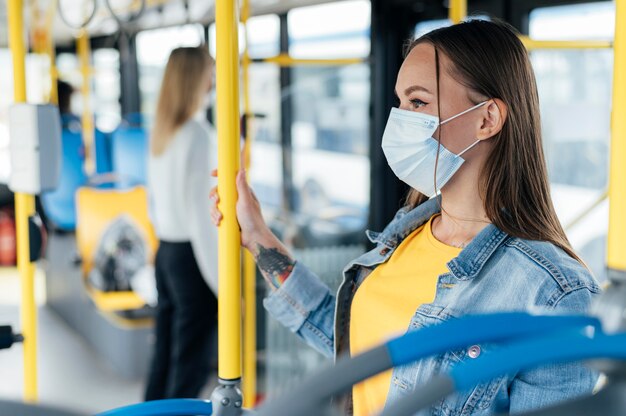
(464, 112)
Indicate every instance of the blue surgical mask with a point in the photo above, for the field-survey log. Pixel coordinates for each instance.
(411, 150)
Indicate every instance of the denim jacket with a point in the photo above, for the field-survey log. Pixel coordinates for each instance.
(494, 273)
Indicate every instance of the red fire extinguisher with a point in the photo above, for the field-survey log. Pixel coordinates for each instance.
(8, 252)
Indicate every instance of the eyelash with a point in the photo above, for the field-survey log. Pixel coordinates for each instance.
(417, 103)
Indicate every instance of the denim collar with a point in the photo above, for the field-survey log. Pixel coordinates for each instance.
(467, 264)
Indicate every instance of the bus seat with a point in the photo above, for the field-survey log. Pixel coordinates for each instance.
(129, 144)
(103, 152)
(59, 204)
(96, 208)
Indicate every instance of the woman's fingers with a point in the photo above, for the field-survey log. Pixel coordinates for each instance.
(214, 173)
(214, 195)
(216, 216)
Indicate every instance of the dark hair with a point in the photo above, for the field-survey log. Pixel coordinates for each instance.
(489, 59)
(64, 91)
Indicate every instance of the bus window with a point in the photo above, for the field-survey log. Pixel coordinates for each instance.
(330, 122)
(264, 36)
(153, 50)
(335, 30)
(588, 21)
(266, 165)
(426, 26)
(106, 89)
(330, 137)
(265, 96)
(105, 85)
(575, 95)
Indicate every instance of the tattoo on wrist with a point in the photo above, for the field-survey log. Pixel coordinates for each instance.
(274, 265)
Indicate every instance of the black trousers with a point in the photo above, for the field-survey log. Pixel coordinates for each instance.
(185, 323)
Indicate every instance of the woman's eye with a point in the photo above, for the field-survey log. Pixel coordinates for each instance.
(417, 103)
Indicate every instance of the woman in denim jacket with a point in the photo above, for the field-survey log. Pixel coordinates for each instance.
(478, 234)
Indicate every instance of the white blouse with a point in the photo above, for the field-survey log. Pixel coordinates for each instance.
(179, 182)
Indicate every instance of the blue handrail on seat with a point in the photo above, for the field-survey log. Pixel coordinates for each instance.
(169, 407)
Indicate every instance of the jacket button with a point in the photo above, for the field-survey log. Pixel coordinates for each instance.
(474, 351)
(384, 251)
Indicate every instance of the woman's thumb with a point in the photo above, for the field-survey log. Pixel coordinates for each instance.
(242, 184)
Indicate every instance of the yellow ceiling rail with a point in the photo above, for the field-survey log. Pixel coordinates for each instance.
(229, 239)
(457, 11)
(24, 208)
(617, 174)
(249, 266)
(532, 44)
(286, 60)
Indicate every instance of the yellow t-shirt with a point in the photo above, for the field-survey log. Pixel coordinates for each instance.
(384, 304)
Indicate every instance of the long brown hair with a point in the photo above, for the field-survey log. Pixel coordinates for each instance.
(182, 90)
(489, 59)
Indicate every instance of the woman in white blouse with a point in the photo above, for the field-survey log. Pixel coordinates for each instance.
(182, 154)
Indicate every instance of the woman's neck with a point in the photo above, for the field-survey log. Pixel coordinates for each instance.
(463, 213)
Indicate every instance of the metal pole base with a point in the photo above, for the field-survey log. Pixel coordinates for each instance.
(227, 399)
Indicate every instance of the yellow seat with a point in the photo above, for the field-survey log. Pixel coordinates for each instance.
(95, 210)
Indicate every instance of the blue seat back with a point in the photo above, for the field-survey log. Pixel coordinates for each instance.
(59, 204)
(103, 153)
(129, 145)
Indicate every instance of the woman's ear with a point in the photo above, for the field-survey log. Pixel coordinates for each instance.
(494, 116)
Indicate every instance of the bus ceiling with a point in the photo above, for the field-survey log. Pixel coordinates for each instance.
(157, 14)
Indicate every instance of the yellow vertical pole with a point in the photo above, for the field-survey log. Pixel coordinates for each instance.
(24, 208)
(84, 55)
(457, 11)
(617, 180)
(54, 74)
(229, 240)
(43, 44)
(54, 93)
(249, 266)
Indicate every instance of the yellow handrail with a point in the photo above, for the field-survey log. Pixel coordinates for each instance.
(532, 44)
(229, 246)
(84, 54)
(286, 60)
(616, 259)
(249, 266)
(24, 208)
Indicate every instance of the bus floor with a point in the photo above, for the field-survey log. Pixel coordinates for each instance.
(71, 374)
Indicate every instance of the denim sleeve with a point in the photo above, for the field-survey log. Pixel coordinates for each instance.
(305, 305)
(552, 384)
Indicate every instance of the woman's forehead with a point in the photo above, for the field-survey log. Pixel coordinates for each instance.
(419, 68)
